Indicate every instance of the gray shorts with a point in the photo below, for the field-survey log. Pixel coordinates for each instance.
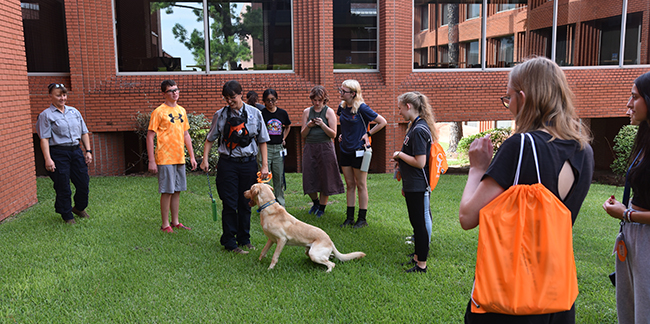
(171, 178)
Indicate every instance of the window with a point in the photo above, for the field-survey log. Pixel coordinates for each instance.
(243, 36)
(565, 42)
(444, 14)
(472, 54)
(505, 51)
(454, 42)
(424, 17)
(506, 6)
(473, 11)
(355, 34)
(634, 39)
(582, 37)
(46, 42)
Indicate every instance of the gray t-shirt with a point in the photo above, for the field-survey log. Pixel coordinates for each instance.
(61, 128)
(255, 125)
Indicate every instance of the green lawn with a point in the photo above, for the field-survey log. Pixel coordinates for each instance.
(118, 267)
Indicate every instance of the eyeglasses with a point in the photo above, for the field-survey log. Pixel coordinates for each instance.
(341, 91)
(271, 100)
(173, 90)
(505, 100)
(229, 99)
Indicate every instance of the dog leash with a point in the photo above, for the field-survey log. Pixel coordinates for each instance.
(214, 203)
(260, 180)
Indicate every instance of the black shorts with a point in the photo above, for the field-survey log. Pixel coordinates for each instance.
(350, 160)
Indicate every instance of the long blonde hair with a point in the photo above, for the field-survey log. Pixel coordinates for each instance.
(355, 87)
(420, 103)
(549, 101)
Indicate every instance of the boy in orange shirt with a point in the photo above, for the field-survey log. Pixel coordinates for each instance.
(169, 123)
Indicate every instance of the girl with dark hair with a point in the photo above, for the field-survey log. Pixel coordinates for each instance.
(278, 125)
(632, 263)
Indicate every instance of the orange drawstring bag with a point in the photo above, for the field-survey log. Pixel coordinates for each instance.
(524, 260)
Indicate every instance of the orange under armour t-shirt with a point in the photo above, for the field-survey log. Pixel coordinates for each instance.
(170, 124)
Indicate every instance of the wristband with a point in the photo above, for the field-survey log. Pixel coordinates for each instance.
(368, 132)
(629, 216)
(89, 151)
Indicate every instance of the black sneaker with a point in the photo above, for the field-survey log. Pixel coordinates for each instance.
(417, 269)
(360, 223)
(347, 222)
(409, 262)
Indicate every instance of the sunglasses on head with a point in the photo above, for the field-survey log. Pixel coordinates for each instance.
(55, 86)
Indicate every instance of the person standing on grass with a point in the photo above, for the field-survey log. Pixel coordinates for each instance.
(61, 128)
(320, 170)
(539, 97)
(241, 133)
(278, 125)
(414, 166)
(632, 284)
(169, 126)
(355, 116)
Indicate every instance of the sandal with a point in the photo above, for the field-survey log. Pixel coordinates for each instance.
(179, 225)
(167, 229)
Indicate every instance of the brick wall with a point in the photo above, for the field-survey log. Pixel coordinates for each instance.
(18, 189)
(109, 101)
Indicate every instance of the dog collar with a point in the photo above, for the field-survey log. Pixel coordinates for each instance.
(266, 205)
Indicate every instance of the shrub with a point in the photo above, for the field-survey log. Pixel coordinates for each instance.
(497, 135)
(199, 128)
(623, 143)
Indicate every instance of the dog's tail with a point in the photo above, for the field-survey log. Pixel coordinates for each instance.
(348, 256)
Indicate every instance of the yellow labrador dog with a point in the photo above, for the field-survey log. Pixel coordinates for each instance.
(282, 228)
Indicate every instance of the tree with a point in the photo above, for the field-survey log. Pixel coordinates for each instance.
(456, 129)
(228, 32)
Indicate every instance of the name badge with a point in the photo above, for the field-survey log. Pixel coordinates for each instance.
(360, 153)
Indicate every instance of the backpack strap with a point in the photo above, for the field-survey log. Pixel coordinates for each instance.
(521, 153)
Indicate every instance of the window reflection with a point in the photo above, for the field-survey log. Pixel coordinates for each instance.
(517, 29)
(355, 34)
(241, 36)
(44, 28)
(452, 38)
(636, 40)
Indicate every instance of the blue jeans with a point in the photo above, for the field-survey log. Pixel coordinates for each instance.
(233, 178)
(70, 165)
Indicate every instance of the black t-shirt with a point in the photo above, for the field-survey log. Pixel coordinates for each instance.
(416, 142)
(551, 157)
(275, 124)
(641, 197)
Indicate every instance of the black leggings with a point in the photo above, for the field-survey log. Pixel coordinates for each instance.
(415, 206)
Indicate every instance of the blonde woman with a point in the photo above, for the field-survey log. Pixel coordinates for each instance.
(414, 166)
(355, 116)
(539, 98)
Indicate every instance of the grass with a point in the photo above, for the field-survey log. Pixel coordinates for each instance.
(119, 267)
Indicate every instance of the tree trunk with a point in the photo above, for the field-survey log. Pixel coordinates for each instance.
(452, 35)
(455, 134)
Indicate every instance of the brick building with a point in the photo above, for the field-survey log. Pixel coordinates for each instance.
(113, 54)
